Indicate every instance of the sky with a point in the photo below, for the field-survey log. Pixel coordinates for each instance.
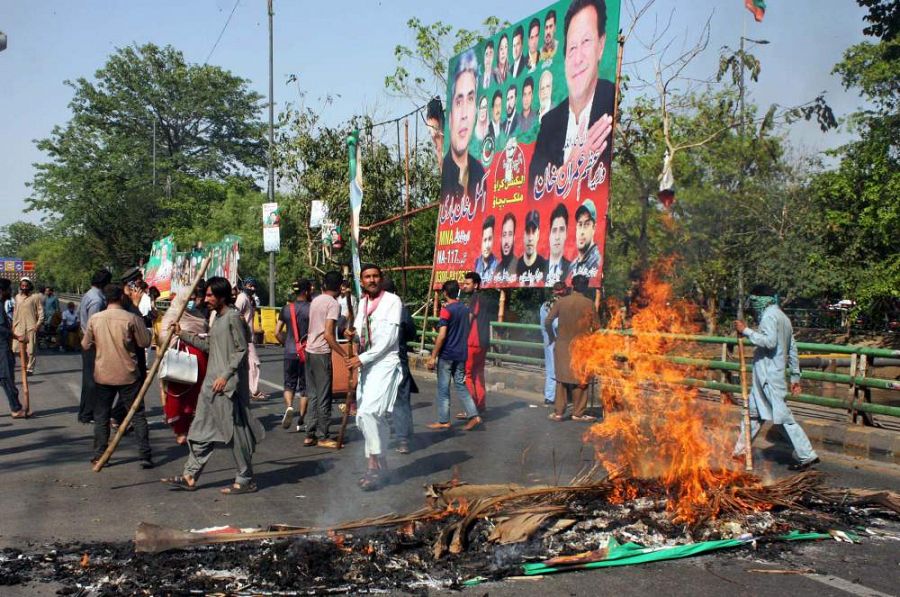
(345, 49)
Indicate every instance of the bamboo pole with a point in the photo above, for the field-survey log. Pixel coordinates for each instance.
(748, 450)
(406, 203)
(148, 380)
(501, 310)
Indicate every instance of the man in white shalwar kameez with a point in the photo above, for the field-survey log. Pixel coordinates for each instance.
(377, 325)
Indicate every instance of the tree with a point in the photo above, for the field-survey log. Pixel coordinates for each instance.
(15, 237)
(859, 198)
(115, 186)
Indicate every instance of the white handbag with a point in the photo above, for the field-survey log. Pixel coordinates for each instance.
(178, 366)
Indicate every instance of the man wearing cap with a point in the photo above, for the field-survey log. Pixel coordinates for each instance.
(246, 308)
(532, 268)
(588, 261)
(27, 317)
(579, 127)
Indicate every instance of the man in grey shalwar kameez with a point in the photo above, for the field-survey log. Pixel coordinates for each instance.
(223, 408)
(776, 349)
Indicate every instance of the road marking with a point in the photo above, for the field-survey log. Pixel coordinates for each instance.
(845, 585)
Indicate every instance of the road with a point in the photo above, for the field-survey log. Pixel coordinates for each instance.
(50, 494)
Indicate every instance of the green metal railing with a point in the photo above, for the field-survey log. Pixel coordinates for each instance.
(857, 378)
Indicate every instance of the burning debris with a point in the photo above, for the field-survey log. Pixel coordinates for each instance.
(465, 534)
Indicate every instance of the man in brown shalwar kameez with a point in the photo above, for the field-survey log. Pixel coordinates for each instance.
(27, 317)
(576, 316)
(223, 408)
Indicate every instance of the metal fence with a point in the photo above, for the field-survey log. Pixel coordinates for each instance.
(520, 343)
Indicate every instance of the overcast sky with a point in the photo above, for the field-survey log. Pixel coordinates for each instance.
(345, 48)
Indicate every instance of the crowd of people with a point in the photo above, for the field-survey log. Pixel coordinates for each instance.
(321, 329)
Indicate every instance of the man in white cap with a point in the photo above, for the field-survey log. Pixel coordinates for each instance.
(27, 317)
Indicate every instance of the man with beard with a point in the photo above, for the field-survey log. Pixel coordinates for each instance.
(588, 261)
(486, 262)
(506, 268)
(462, 173)
(380, 372)
(532, 267)
(502, 71)
(519, 63)
(558, 265)
(488, 64)
(579, 128)
(528, 118)
(482, 310)
(545, 93)
(534, 38)
(511, 124)
(550, 43)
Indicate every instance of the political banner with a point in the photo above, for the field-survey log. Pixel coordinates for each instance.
(158, 271)
(15, 269)
(528, 143)
(225, 254)
(271, 228)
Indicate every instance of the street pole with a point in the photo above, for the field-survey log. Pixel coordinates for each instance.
(271, 151)
(740, 281)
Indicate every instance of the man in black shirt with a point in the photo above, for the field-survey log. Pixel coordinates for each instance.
(295, 314)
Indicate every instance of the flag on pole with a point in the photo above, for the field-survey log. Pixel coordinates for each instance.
(757, 7)
(356, 196)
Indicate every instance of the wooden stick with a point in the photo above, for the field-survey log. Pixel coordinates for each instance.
(26, 395)
(748, 451)
(351, 387)
(148, 380)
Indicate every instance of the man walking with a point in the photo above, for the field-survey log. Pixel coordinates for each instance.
(482, 312)
(246, 308)
(449, 355)
(324, 312)
(559, 291)
(117, 335)
(27, 317)
(776, 350)
(92, 303)
(380, 372)
(223, 408)
(7, 359)
(294, 318)
(576, 316)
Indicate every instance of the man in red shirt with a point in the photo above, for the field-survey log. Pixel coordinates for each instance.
(482, 312)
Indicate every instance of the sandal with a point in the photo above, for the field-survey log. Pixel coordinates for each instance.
(238, 489)
(371, 480)
(555, 417)
(19, 415)
(310, 441)
(179, 483)
(584, 418)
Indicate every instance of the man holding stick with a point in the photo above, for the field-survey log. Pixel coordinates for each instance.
(27, 318)
(775, 350)
(117, 336)
(380, 372)
(223, 409)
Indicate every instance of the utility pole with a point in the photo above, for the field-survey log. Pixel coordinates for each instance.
(271, 150)
(154, 152)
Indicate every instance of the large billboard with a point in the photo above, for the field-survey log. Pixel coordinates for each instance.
(528, 141)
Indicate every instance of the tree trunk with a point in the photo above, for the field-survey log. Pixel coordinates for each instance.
(710, 313)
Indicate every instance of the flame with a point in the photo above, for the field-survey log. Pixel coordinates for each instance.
(339, 541)
(655, 427)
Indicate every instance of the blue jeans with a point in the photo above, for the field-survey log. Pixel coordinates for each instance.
(455, 370)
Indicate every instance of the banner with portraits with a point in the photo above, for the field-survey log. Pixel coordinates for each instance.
(528, 142)
(172, 271)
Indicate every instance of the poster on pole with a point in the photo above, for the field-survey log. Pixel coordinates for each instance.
(271, 228)
(158, 271)
(226, 256)
(528, 143)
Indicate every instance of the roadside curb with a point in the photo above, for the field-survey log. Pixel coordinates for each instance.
(831, 436)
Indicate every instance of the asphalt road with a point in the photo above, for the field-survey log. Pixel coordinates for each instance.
(49, 492)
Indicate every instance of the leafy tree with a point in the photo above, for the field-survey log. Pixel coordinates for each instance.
(98, 185)
(15, 237)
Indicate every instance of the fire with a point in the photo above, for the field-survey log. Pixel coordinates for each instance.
(656, 428)
(339, 541)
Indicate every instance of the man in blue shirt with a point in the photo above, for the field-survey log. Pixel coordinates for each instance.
(92, 302)
(449, 354)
